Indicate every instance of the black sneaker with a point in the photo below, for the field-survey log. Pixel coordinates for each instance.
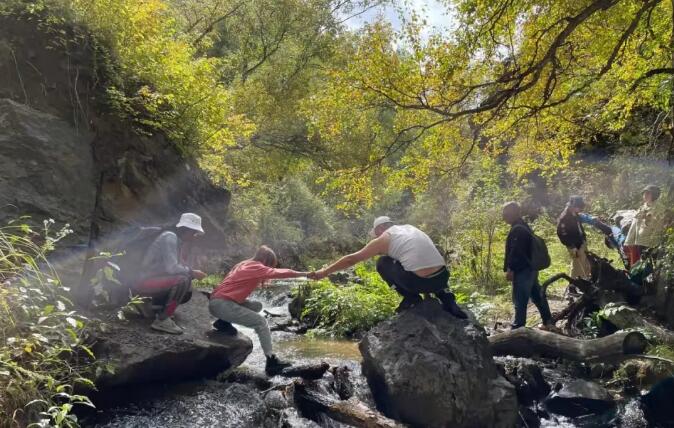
(454, 309)
(274, 365)
(225, 327)
(408, 303)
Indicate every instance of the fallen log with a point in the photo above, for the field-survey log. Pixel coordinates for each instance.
(312, 403)
(607, 283)
(526, 342)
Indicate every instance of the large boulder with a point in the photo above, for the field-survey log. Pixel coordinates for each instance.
(138, 354)
(428, 368)
(657, 403)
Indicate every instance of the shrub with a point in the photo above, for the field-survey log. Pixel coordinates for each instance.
(351, 309)
(43, 356)
(154, 75)
(211, 281)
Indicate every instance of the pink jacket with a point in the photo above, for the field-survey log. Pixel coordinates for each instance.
(245, 277)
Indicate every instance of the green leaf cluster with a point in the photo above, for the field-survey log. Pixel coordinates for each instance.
(44, 353)
(351, 309)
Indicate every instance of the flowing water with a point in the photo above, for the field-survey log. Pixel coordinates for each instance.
(209, 403)
(627, 414)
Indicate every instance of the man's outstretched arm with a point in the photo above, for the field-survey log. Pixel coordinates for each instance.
(373, 248)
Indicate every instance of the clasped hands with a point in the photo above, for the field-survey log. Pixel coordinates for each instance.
(316, 275)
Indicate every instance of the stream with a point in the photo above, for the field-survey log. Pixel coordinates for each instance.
(210, 403)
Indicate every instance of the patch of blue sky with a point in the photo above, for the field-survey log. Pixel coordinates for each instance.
(437, 15)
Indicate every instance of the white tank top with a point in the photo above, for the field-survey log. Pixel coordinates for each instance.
(413, 248)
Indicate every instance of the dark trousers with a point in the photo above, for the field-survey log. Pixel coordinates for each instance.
(525, 287)
(409, 284)
(167, 291)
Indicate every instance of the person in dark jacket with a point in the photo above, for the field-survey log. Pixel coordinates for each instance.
(571, 233)
(517, 266)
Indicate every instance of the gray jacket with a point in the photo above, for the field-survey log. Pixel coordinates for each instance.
(162, 257)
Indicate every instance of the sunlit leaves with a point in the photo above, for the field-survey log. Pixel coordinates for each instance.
(533, 80)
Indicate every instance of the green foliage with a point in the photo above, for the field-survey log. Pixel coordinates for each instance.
(156, 78)
(43, 341)
(351, 309)
(291, 218)
(665, 262)
(662, 351)
(210, 282)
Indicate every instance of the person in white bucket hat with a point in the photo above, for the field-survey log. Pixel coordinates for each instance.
(408, 262)
(190, 221)
(166, 276)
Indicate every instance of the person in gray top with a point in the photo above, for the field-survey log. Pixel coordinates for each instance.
(165, 276)
(408, 262)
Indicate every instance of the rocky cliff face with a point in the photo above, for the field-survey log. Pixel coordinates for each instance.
(62, 157)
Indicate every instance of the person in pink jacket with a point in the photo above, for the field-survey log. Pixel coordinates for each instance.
(230, 304)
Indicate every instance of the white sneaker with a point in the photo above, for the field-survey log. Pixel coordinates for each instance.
(166, 325)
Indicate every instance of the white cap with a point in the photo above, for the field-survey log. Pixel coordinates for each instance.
(191, 221)
(378, 222)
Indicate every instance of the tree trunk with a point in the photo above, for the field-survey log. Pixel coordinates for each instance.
(525, 342)
(352, 412)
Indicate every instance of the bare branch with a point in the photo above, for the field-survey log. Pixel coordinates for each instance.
(651, 73)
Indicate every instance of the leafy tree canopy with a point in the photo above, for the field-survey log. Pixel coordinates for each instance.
(262, 89)
(530, 79)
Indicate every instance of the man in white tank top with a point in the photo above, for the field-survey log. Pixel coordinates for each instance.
(408, 262)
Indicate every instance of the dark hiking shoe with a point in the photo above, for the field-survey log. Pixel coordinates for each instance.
(408, 303)
(225, 327)
(274, 365)
(454, 309)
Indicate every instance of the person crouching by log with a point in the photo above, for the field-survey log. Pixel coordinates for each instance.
(646, 228)
(518, 269)
(408, 262)
(230, 304)
(166, 276)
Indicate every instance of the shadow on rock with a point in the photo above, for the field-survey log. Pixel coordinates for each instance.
(138, 354)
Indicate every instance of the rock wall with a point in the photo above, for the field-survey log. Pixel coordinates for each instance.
(62, 157)
(46, 169)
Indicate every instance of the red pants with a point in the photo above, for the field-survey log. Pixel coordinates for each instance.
(634, 253)
(171, 288)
